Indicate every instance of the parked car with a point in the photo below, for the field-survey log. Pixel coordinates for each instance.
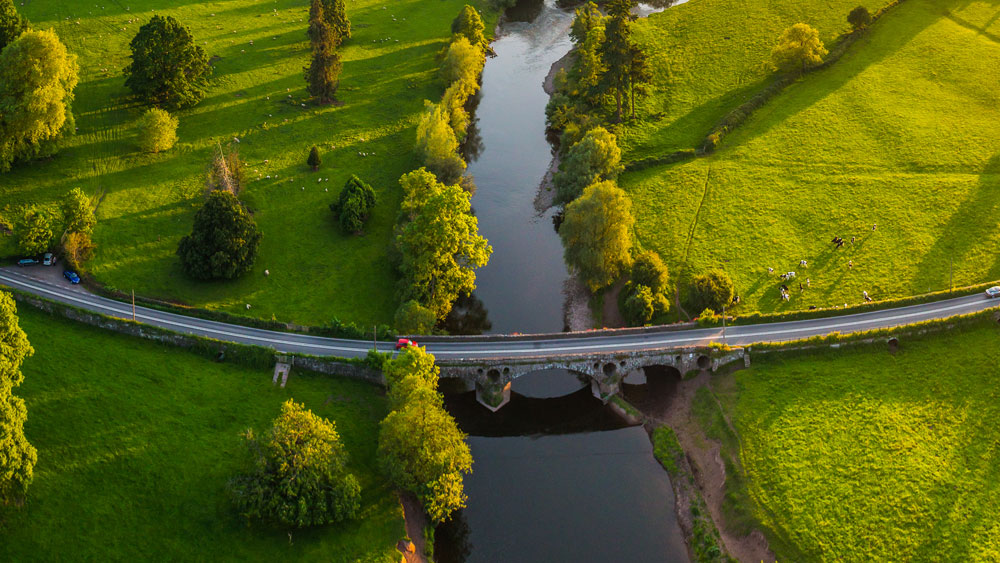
(404, 343)
(49, 259)
(26, 262)
(993, 292)
(71, 276)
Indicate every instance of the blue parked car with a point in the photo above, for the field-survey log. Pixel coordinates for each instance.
(26, 262)
(72, 277)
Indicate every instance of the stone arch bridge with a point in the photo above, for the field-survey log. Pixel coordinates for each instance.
(493, 377)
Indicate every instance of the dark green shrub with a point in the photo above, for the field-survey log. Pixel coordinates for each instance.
(713, 290)
(354, 205)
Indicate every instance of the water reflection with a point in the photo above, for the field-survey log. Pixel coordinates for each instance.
(468, 316)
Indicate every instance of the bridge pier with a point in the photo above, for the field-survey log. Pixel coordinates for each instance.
(604, 389)
(492, 395)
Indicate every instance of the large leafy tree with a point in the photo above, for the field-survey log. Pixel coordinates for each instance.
(224, 241)
(437, 144)
(798, 48)
(712, 290)
(167, 68)
(78, 213)
(17, 455)
(595, 158)
(420, 446)
(354, 205)
(37, 78)
(12, 24)
(34, 231)
(439, 243)
(616, 51)
(413, 318)
(597, 234)
(297, 474)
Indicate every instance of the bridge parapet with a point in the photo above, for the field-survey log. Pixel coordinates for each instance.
(492, 377)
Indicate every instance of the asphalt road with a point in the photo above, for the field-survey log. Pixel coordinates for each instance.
(45, 284)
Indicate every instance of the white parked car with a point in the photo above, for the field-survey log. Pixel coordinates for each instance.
(993, 292)
(49, 259)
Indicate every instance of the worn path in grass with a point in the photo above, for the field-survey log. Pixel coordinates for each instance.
(863, 455)
(257, 91)
(136, 442)
(903, 133)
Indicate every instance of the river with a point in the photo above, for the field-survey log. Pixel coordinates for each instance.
(558, 476)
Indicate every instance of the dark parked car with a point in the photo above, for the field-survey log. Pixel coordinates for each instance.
(26, 262)
(72, 277)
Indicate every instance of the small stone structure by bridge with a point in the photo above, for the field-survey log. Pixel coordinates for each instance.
(492, 377)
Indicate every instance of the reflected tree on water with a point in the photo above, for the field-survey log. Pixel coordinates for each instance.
(468, 316)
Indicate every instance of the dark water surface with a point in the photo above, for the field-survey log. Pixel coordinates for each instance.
(522, 285)
(558, 476)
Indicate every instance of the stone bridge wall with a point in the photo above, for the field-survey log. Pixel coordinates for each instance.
(492, 378)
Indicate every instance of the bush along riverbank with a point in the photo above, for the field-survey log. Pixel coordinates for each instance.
(437, 243)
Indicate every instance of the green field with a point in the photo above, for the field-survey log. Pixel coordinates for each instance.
(148, 202)
(136, 442)
(707, 57)
(902, 132)
(861, 455)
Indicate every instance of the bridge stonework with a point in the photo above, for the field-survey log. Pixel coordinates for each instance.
(492, 378)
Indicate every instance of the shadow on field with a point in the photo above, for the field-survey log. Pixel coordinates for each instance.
(968, 227)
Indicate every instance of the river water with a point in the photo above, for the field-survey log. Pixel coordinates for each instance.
(558, 476)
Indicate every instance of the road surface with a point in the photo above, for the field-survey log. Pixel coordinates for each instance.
(59, 290)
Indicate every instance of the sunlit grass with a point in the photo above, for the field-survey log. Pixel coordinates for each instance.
(902, 132)
(317, 273)
(866, 456)
(136, 442)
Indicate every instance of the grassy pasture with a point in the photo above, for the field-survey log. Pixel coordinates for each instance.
(860, 455)
(708, 56)
(136, 442)
(902, 132)
(148, 201)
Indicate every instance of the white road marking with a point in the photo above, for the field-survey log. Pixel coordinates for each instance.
(276, 338)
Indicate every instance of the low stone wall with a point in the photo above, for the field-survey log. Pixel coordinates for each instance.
(253, 356)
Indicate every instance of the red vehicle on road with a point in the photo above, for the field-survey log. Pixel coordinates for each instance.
(404, 343)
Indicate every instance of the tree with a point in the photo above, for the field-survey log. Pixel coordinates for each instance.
(799, 47)
(639, 306)
(595, 158)
(411, 371)
(37, 78)
(588, 18)
(650, 271)
(616, 51)
(78, 213)
(226, 171)
(463, 61)
(469, 25)
(12, 24)
(438, 145)
(167, 68)
(439, 243)
(224, 241)
(420, 447)
(157, 131)
(323, 73)
(354, 205)
(859, 18)
(77, 248)
(34, 231)
(297, 475)
(713, 290)
(597, 234)
(17, 455)
(335, 15)
(414, 318)
(314, 160)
